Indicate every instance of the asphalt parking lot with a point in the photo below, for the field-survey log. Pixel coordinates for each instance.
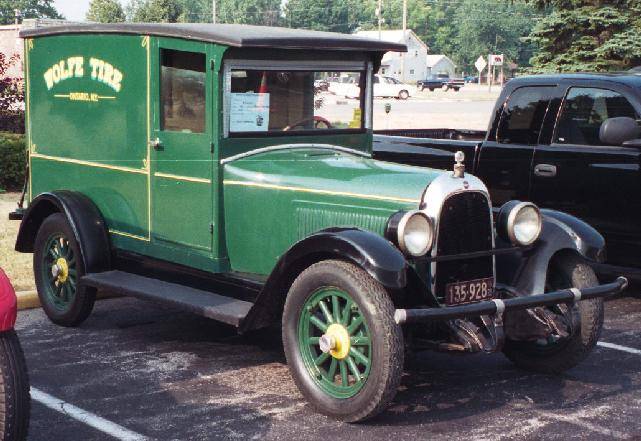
(142, 371)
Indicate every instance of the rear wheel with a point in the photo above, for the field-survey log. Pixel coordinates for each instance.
(343, 347)
(556, 355)
(14, 389)
(58, 266)
(403, 95)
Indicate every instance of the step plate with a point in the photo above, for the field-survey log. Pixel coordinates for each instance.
(224, 309)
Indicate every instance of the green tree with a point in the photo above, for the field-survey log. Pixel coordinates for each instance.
(492, 26)
(153, 11)
(105, 11)
(256, 12)
(28, 9)
(329, 15)
(587, 35)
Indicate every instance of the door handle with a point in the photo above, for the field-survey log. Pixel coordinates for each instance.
(156, 144)
(545, 170)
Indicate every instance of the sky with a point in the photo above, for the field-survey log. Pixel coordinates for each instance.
(72, 9)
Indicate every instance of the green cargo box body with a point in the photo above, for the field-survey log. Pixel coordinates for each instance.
(93, 108)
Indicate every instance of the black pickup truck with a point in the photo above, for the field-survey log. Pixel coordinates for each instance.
(566, 142)
(441, 81)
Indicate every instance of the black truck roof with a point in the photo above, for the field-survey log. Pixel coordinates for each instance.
(629, 78)
(229, 34)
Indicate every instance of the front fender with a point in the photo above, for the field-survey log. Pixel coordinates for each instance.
(382, 260)
(527, 271)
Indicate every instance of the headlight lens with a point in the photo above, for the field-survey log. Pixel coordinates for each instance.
(520, 222)
(415, 233)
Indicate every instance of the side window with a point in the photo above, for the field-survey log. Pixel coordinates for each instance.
(584, 110)
(522, 116)
(182, 91)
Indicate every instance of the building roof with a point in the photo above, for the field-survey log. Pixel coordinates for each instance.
(433, 60)
(390, 35)
(229, 34)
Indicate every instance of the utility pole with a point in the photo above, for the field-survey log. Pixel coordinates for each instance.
(404, 39)
(213, 11)
(379, 15)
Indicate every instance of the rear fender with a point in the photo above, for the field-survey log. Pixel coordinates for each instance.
(86, 222)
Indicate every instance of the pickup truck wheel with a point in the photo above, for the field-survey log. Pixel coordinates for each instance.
(14, 386)
(403, 95)
(343, 347)
(423, 88)
(556, 355)
(58, 267)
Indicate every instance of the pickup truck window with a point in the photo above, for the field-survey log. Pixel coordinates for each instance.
(275, 102)
(523, 115)
(182, 90)
(584, 110)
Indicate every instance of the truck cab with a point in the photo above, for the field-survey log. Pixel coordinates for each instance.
(201, 166)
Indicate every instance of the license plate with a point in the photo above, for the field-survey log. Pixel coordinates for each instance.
(469, 292)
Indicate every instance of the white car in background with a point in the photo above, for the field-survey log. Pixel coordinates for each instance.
(385, 87)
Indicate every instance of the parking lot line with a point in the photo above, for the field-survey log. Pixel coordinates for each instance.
(604, 344)
(85, 417)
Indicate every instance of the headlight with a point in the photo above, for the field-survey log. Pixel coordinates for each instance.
(412, 231)
(519, 222)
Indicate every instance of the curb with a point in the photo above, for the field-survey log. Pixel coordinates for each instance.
(27, 300)
(30, 300)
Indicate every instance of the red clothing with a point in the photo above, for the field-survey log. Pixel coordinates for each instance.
(8, 303)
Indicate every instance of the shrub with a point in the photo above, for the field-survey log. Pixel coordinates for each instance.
(13, 161)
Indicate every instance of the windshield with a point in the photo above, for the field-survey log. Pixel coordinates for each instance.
(281, 102)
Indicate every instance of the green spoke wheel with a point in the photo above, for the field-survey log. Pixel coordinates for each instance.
(343, 347)
(334, 309)
(58, 267)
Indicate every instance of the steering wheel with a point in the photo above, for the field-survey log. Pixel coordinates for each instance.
(318, 121)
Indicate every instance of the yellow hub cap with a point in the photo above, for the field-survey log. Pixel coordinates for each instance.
(63, 270)
(340, 337)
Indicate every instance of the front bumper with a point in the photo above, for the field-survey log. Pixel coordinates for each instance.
(499, 306)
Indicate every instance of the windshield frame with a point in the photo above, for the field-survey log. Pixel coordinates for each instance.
(364, 68)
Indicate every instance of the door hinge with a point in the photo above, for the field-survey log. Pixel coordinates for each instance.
(213, 64)
(213, 147)
(211, 228)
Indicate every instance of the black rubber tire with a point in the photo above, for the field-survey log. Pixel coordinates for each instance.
(565, 271)
(403, 95)
(84, 298)
(387, 340)
(15, 401)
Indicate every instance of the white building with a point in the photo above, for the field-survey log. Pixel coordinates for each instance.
(407, 67)
(440, 64)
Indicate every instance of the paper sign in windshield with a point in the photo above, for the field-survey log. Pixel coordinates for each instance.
(249, 112)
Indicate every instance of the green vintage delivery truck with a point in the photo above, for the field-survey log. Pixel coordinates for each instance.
(202, 166)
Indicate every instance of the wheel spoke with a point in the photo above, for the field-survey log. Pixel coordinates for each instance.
(346, 312)
(313, 340)
(318, 323)
(326, 313)
(336, 310)
(72, 272)
(355, 324)
(362, 359)
(331, 373)
(343, 368)
(321, 358)
(58, 290)
(360, 340)
(353, 368)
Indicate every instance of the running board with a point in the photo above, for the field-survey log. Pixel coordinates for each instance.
(214, 306)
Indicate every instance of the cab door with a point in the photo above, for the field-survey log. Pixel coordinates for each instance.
(181, 146)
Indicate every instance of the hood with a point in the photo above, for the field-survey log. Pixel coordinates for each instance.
(332, 172)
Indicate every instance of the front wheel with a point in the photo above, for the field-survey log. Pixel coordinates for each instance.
(343, 347)
(58, 266)
(556, 355)
(14, 389)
